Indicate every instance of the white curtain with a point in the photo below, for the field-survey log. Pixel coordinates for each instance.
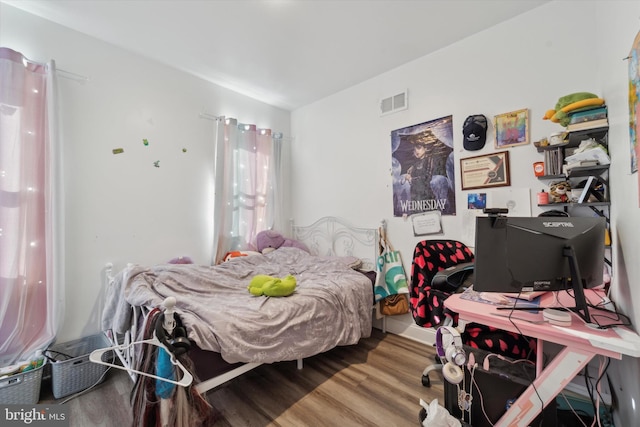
(31, 220)
(247, 185)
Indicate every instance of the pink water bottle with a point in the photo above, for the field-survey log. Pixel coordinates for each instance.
(543, 198)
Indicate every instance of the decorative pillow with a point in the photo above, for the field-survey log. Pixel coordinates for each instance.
(236, 254)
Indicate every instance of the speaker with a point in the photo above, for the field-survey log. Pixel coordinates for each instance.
(177, 342)
(451, 353)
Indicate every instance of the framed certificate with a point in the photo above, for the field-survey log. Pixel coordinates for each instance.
(485, 171)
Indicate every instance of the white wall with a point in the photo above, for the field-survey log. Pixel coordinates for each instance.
(619, 23)
(120, 208)
(342, 148)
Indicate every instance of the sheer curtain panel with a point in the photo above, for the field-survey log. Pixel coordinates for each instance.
(31, 221)
(247, 183)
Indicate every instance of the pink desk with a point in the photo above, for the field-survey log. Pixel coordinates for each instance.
(580, 344)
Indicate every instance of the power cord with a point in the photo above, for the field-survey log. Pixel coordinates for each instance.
(601, 313)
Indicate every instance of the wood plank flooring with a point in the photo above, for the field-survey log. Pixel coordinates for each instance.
(374, 383)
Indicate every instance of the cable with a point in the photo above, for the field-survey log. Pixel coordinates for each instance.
(484, 412)
(572, 409)
(600, 314)
(604, 366)
(44, 353)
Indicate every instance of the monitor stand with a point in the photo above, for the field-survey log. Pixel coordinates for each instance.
(581, 308)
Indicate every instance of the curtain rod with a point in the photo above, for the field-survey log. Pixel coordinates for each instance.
(72, 76)
(210, 117)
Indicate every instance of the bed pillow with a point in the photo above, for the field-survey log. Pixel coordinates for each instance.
(181, 260)
(350, 261)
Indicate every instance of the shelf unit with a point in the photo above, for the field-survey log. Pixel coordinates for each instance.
(576, 175)
(562, 151)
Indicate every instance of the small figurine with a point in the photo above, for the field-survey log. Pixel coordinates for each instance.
(560, 192)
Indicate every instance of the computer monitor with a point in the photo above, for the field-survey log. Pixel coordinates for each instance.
(514, 254)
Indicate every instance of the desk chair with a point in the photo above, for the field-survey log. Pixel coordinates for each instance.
(427, 308)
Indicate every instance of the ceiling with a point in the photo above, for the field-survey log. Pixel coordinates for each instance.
(287, 53)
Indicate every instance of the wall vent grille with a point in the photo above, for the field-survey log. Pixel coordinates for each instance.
(394, 103)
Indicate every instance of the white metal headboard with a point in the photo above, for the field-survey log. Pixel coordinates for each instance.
(332, 236)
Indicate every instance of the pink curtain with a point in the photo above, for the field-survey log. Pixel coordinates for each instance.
(247, 186)
(30, 221)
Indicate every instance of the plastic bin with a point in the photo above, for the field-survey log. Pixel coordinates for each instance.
(71, 370)
(21, 389)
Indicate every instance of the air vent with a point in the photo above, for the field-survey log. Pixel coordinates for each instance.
(393, 103)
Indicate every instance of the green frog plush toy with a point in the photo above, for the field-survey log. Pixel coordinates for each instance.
(261, 284)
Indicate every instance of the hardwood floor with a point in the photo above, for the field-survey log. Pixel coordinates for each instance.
(374, 383)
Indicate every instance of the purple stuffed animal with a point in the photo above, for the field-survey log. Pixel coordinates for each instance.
(270, 240)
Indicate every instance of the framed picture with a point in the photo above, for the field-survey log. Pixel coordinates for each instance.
(487, 170)
(512, 129)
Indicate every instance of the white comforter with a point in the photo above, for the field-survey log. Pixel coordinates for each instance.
(331, 306)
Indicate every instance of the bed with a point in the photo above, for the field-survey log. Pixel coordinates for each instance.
(233, 331)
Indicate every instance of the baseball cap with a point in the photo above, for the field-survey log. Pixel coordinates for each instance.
(474, 131)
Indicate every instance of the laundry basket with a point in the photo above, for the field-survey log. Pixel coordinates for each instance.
(21, 389)
(71, 369)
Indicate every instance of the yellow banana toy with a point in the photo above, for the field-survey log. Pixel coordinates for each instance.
(571, 103)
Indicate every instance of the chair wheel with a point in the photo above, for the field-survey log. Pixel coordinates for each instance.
(425, 381)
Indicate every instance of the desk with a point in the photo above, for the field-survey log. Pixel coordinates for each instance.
(580, 344)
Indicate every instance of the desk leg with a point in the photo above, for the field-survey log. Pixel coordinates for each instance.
(551, 381)
(539, 356)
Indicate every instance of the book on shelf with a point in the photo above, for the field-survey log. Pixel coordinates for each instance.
(597, 113)
(591, 124)
(553, 161)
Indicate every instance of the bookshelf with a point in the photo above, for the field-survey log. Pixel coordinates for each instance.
(555, 157)
(596, 200)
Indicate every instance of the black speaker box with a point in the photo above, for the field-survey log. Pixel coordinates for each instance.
(500, 386)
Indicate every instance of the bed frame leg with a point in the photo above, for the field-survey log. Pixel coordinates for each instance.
(299, 363)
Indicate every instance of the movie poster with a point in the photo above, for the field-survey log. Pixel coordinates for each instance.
(423, 169)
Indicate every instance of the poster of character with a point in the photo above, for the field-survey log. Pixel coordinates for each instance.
(423, 168)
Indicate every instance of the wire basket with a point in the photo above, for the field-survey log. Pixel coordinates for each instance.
(71, 370)
(21, 389)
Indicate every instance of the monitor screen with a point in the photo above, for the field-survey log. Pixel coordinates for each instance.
(514, 254)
